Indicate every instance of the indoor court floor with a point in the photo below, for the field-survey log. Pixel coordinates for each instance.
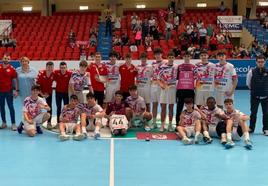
(45, 161)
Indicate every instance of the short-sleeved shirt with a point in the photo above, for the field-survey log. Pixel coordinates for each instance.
(97, 70)
(70, 114)
(113, 74)
(89, 110)
(62, 81)
(168, 73)
(211, 117)
(6, 76)
(144, 76)
(156, 66)
(79, 81)
(204, 76)
(32, 106)
(235, 116)
(186, 76)
(189, 118)
(119, 109)
(224, 75)
(45, 81)
(128, 75)
(138, 104)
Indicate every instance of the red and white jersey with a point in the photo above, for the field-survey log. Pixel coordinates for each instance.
(211, 117)
(70, 114)
(168, 73)
(155, 66)
(189, 118)
(223, 76)
(113, 73)
(204, 75)
(235, 116)
(136, 104)
(145, 73)
(32, 107)
(89, 110)
(79, 80)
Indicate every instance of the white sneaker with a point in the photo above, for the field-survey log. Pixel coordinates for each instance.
(248, 144)
(64, 137)
(96, 135)
(198, 138)
(187, 141)
(229, 144)
(147, 128)
(154, 126)
(170, 128)
(78, 137)
(265, 132)
(162, 129)
(13, 127)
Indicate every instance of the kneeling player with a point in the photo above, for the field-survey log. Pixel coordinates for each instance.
(190, 124)
(68, 120)
(212, 121)
(116, 113)
(33, 117)
(136, 112)
(236, 126)
(91, 116)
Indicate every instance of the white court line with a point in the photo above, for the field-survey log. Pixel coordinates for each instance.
(112, 163)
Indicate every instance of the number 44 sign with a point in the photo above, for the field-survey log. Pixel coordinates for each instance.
(118, 122)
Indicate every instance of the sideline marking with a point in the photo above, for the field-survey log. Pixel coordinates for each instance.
(112, 163)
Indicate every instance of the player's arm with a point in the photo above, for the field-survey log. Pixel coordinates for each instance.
(181, 119)
(62, 118)
(202, 114)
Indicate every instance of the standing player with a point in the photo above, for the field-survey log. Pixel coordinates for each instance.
(91, 115)
(62, 78)
(98, 73)
(225, 79)
(144, 80)
(79, 80)
(155, 88)
(7, 75)
(185, 85)
(128, 73)
(190, 124)
(167, 81)
(204, 83)
(136, 113)
(113, 78)
(33, 117)
(68, 120)
(45, 79)
(236, 125)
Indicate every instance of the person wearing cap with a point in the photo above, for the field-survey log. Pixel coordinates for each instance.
(116, 113)
(204, 79)
(33, 113)
(144, 76)
(113, 77)
(167, 78)
(225, 79)
(257, 82)
(185, 84)
(155, 88)
(128, 73)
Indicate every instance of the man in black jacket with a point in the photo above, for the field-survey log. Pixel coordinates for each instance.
(257, 81)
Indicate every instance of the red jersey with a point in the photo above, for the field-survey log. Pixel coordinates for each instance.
(94, 71)
(128, 75)
(6, 76)
(45, 82)
(62, 80)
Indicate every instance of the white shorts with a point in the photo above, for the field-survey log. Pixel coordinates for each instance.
(145, 92)
(201, 97)
(70, 127)
(37, 120)
(155, 93)
(168, 95)
(212, 131)
(220, 97)
(110, 92)
(190, 131)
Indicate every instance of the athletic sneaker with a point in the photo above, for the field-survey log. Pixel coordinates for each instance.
(39, 130)
(13, 127)
(64, 137)
(207, 140)
(96, 135)
(223, 141)
(3, 126)
(162, 129)
(20, 128)
(78, 137)
(198, 138)
(154, 126)
(49, 126)
(147, 128)
(265, 132)
(187, 141)
(248, 144)
(229, 144)
(170, 128)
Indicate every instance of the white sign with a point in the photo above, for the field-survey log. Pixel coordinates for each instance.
(230, 23)
(5, 25)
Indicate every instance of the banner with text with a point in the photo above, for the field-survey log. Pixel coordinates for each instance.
(230, 23)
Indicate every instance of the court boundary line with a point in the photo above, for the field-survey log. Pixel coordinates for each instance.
(111, 179)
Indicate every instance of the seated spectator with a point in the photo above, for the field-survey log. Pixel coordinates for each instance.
(93, 31)
(176, 21)
(213, 42)
(117, 41)
(222, 7)
(133, 48)
(199, 24)
(169, 27)
(145, 28)
(152, 23)
(72, 38)
(202, 36)
(220, 38)
(196, 53)
(210, 31)
(117, 23)
(194, 36)
(124, 39)
(155, 33)
(189, 29)
(191, 49)
(148, 40)
(176, 51)
(134, 19)
(138, 25)
(93, 40)
(243, 52)
(138, 37)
